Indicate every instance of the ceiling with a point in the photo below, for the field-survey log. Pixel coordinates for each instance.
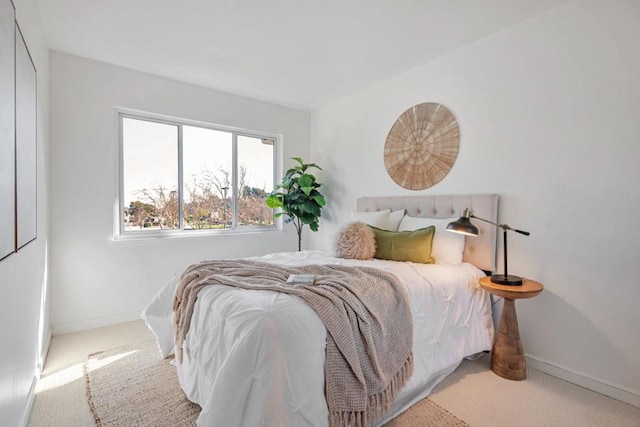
(297, 53)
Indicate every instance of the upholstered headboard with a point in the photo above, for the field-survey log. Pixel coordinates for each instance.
(481, 250)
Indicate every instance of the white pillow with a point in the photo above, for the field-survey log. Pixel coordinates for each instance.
(379, 219)
(395, 217)
(448, 247)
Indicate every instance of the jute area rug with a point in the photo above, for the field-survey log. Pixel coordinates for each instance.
(133, 386)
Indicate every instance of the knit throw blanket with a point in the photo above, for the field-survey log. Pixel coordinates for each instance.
(366, 314)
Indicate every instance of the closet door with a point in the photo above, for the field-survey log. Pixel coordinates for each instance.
(7, 130)
(26, 144)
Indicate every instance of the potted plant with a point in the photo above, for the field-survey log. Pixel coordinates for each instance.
(298, 197)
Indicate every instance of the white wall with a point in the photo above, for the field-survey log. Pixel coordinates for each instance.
(549, 118)
(24, 323)
(94, 280)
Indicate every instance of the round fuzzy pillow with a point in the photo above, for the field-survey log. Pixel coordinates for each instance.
(355, 241)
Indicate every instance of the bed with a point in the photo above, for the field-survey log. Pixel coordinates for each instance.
(257, 358)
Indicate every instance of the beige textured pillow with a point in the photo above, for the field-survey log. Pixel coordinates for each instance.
(355, 241)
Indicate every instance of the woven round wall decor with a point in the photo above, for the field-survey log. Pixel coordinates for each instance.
(422, 146)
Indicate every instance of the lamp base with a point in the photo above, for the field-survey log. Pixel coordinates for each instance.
(508, 280)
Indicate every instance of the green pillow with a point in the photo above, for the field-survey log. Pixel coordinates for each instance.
(414, 246)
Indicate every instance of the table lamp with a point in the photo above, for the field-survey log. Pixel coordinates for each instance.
(464, 226)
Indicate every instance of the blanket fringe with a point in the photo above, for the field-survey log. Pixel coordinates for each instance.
(377, 404)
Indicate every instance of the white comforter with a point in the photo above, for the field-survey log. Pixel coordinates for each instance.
(256, 358)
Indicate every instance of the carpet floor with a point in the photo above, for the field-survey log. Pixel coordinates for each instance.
(472, 392)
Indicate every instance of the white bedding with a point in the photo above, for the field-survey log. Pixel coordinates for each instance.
(256, 358)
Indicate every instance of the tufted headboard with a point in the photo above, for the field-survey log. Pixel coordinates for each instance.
(481, 250)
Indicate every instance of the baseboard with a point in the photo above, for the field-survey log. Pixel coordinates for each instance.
(31, 397)
(44, 351)
(585, 381)
(83, 325)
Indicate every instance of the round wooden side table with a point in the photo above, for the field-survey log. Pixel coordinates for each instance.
(507, 356)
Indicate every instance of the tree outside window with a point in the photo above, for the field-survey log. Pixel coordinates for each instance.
(225, 175)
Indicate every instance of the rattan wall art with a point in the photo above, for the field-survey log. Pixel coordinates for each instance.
(422, 146)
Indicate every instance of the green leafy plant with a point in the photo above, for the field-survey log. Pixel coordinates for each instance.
(298, 197)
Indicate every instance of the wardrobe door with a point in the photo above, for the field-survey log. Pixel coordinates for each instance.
(7, 130)
(26, 144)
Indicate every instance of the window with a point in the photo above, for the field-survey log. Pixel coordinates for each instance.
(180, 177)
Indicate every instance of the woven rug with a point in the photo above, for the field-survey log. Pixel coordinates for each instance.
(133, 386)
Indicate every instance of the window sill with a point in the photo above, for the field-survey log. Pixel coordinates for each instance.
(156, 237)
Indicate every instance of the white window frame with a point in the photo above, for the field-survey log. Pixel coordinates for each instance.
(119, 229)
